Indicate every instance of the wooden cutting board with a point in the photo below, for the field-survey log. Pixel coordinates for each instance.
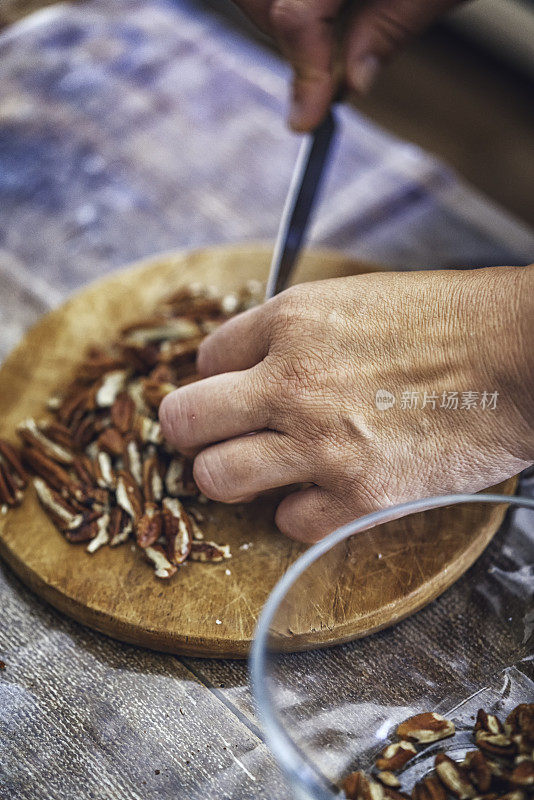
(377, 579)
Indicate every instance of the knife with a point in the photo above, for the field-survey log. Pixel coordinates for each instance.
(303, 191)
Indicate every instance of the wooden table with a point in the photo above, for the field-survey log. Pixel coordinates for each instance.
(127, 129)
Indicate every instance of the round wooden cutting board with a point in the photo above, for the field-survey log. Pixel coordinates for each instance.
(396, 569)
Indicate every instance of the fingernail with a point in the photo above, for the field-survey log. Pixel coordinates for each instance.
(364, 72)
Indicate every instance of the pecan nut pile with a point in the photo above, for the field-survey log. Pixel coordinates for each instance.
(501, 768)
(100, 467)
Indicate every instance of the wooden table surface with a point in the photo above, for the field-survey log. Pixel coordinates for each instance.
(132, 128)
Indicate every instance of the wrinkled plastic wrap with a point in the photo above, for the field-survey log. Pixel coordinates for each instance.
(129, 128)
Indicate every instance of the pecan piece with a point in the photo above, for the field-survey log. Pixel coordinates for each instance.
(58, 478)
(97, 363)
(154, 391)
(425, 728)
(479, 770)
(395, 756)
(520, 724)
(120, 526)
(523, 774)
(112, 442)
(163, 567)
(177, 529)
(56, 506)
(101, 534)
(209, 551)
(148, 430)
(10, 493)
(34, 437)
(488, 722)
(152, 483)
(388, 779)
(57, 433)
(158, 330)
(123, 413)
(149, 527)
(358, 787)
(430, 788)
(454, 777)
(129, 496)
(110, 386)
(132, 459)
(10, 458)
(104, 473)
(498, 744)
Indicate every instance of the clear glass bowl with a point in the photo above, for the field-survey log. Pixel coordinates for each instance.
(328, 712)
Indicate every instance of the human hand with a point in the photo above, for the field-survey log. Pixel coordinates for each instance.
(300, 374)
(333, 44)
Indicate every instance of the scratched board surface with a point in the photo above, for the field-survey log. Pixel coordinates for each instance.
(108, 155)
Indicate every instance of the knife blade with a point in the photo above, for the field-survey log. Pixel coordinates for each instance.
(301, 198)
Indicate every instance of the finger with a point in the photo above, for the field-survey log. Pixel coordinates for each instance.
(305, 32)
(242, 467)
(380, 29)
(211, 410)
(311, 514)
(237, 345)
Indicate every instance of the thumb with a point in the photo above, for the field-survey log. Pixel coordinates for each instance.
(382, 28)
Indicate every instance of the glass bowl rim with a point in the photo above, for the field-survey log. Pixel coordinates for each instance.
(292, 761)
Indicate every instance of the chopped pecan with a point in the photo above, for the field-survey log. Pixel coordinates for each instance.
(129, 496)
(388, 779)
(123, 413)
(54, 474)
(179, 354)
(34, 437)
(454, 777)
(110, 386)
(425, 728)
(132, 459)
(57, 507)
(179, 480)
(97, 363)
(57, 433)
(358, 787)
(488, 722)
(105, 475)
(163, 567)
(479, 770)
(177, 530)
(520, 723)
(498, 744)
(112, 442)
(10, 493)
(523, 774)
(10, 459)
(395, 756)
(154, 391)
(101, 535)
(209, 551)
(120, 526)
(150, 525)
(83, 468)
(430, 788)
(75, 405)
(148, 430)
(152, 483)
(160, 329)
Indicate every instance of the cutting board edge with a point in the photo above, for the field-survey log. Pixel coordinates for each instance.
(157, 640)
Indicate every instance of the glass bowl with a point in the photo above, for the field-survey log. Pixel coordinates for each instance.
(326, 713)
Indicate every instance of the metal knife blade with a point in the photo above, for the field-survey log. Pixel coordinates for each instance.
(303, 190)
